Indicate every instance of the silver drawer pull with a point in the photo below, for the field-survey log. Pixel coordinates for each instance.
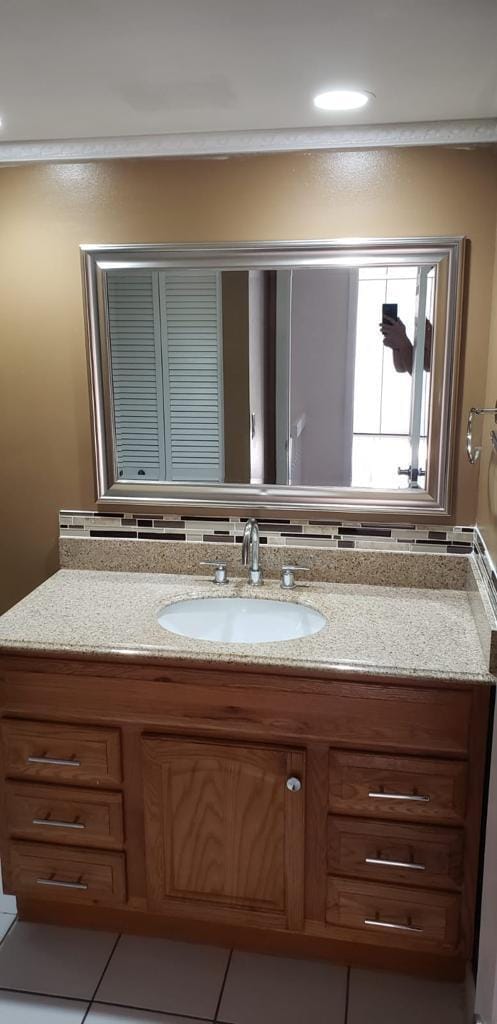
(53, 823)
(395, 863)
(388, 924)
(60, 884)
(61, 761)
(417, 797)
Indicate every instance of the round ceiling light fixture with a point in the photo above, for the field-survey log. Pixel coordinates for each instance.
(342, 99)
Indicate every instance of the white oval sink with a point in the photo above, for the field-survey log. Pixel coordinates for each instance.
(240, 620)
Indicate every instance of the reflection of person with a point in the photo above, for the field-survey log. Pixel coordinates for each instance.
(395, 337)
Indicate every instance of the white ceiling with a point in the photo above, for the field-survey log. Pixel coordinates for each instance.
(78, 69)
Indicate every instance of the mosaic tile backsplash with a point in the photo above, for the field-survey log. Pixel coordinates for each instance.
(320, 533)
(487, 570)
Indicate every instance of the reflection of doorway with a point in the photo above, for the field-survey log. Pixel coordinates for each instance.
(317, 311)
(390, 414)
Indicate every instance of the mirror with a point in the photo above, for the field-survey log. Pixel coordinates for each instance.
(310, 373)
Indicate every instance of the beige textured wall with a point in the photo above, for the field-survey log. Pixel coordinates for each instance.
(487, 497)
(47, 210)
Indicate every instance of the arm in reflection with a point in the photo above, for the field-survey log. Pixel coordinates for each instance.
(395, 337)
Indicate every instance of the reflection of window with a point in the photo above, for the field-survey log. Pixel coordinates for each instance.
(167, 375)
(382, 397)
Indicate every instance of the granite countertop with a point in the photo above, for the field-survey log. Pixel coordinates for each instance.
(391, 631)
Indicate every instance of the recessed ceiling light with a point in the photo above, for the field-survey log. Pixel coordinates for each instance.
(342, 99)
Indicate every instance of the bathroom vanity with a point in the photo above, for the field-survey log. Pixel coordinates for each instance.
(280, 797)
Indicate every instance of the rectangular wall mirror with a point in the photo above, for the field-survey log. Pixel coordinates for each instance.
(292, 375)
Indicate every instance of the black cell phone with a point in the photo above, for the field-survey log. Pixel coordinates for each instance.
(389, 310)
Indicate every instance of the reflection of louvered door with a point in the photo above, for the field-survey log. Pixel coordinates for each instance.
(136, 368)
(166, 363)
(193, 384)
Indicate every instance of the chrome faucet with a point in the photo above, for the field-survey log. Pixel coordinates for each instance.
(251, 543)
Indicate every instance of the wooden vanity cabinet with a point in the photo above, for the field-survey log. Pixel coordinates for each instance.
(279, 811)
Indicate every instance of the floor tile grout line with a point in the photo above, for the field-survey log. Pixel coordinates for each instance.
(88, 1008)
(146, 1009)
(347, 997)
(228, 965)
(109, 958)
(45, 995)
(107, 962)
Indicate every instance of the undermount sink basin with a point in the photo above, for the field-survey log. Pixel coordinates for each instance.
(240, 620)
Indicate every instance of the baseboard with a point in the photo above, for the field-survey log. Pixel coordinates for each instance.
(133, 922)
(470, 996)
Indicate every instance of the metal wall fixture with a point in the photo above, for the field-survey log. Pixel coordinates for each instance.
(474, 450)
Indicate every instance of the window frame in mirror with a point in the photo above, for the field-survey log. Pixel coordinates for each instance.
(435, 501)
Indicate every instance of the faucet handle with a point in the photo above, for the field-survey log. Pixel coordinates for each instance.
(220, 574)
(288, 575)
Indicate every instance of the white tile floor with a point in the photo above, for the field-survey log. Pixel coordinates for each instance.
(51, 975)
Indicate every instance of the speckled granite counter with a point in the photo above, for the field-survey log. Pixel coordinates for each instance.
(371, 629)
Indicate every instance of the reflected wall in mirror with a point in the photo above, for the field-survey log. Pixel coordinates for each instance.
(303, 373)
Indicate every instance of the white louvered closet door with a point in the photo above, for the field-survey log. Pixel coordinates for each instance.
(136, 368)
(191, 318)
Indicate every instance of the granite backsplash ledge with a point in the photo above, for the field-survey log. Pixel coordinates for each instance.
(382, 568)
(333, 550)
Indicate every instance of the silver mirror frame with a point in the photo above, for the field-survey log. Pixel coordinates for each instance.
(115, 494)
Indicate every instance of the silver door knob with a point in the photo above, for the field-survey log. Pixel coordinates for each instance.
(293, 784)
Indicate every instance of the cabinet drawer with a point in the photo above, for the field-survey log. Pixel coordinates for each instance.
(61, 753)
(393, 914)
(59, 873)
(59, 814)
(403, 788)
(417, 855)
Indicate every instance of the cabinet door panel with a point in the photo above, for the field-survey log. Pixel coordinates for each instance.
(222, 828)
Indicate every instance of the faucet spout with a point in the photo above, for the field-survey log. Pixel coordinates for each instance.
(250, 548)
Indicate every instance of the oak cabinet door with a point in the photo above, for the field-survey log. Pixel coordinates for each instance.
(224, 826)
